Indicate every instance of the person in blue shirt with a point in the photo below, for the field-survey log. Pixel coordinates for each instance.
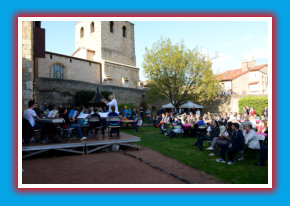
(200, 122)
(127, 113)
(113, 123)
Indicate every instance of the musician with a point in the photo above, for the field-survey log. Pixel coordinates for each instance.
(113, 102)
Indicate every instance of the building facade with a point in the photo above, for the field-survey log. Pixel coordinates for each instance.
(104, 57)
(58, 66)
(251, 79)
(112, 44)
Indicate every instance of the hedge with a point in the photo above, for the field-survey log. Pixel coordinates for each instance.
(258, 103)
(129, 105)
(83, 97)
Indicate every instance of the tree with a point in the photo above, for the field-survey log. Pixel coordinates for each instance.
(178, 74)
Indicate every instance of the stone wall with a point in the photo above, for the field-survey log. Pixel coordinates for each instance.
(27, 62)
(117, 72)
(62, 91)
(224, 103)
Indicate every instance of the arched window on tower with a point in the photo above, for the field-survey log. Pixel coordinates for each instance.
(111, 26)
(82, 32)
(57, 71)
(124, 31)
(92, 27)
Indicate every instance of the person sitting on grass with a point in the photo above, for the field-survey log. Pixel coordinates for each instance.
(214, 132)
(114, 123)
(237, 144)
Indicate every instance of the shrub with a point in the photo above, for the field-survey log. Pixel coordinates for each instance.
(258, 103)
(129, 105)
(83, 97)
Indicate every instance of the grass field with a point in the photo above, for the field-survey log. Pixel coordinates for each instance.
(181, 149)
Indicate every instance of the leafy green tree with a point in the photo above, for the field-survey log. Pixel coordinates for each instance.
(178, 74)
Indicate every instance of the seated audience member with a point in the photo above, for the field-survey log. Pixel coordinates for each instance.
(175, 130)
(30, 115)
(138, 122)
(257, 117)
(215, 139)
(38, 110)
(215, 131)
(200, 122)
(251, 139)
(263, 154)
(263, 126)
(165, 122)
(114, 123)
(253, 121)
(224, 138)
(82, 121)
(237, 144)
(161, 119)
(69, 123)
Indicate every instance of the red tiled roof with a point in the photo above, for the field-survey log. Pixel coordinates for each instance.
(252, 83)
(258, 67)
(233, 74)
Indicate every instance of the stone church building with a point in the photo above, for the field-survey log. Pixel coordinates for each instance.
(104, 55)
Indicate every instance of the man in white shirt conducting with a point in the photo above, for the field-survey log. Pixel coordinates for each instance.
(113, 102)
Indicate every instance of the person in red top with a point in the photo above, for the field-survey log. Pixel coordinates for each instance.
(252, 111)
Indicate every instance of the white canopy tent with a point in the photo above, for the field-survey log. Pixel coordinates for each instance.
(168, 106)
(191, 105)
(187, 105)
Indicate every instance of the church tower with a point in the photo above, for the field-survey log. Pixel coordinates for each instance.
(111, 43)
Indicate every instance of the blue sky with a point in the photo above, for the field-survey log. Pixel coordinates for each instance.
(228, 42)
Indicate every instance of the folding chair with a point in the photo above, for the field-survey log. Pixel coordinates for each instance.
(114, 123)
(177, 130)
(95, 121)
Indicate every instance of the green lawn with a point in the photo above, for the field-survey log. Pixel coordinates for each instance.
(181, 149)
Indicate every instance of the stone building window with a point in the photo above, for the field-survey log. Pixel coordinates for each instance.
(111, 26)
(57, 71)
(125, 81)
(82, 32)
(92, 27)
(124, 31)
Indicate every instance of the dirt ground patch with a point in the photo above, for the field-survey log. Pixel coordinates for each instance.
(128, 167)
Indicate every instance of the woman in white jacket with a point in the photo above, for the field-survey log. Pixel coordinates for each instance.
(251, 139)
